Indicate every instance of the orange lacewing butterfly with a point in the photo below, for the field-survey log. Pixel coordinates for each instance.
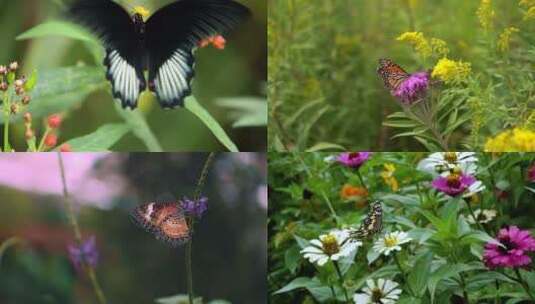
(165, 220)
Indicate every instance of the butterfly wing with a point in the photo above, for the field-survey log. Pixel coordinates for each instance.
(174, 32)
(391, 73)
(124, 58)
(372, 224)
(166, 221)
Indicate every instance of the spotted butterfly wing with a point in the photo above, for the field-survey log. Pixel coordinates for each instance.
(163, 45)
(391, 73)
(372, 224)
(165, 220)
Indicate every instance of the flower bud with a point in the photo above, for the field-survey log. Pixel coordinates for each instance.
(19, 91)
(27, 118)
(3, 70)
(13, 66)
(19, 83)
(14, 109)
(26, 100)
(3, 86)
(51, 140)
(65, 148)
(54, 121)
(29, 134)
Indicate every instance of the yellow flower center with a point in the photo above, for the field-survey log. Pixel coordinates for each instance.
(330, 245)
(454, 180)
(451, 157)
(391, 241)
(144, 12)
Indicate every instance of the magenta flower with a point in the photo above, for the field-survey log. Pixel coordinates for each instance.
(516, 244)
(457, 183)
(531, 173)
(413, 88)
(85, 254)
(194, 208)
(353, 159)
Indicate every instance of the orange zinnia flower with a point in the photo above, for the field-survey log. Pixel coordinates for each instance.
(349, 192)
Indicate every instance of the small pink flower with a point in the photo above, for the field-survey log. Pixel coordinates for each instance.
(54, 121)
(413, 88)
(531, 173)
(515, 243)
(456, 184)
(353, 159)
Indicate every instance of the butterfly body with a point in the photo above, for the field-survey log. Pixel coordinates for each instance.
(392, 74)
(372, 223)
(164, 44)
(165, 220)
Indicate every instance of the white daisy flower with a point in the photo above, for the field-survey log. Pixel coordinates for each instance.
(474, 188)
(391, 241)
(482, 216)
(383, 291)
(441, 162)
(332, 246)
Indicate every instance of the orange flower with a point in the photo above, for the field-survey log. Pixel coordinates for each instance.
(353, 193)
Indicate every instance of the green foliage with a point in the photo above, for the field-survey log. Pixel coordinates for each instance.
(324, 89)
(441, 262)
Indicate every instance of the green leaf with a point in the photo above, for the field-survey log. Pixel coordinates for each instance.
(178, 299)
(247, 111)
(198, 110)
(61, 89)
(292, 258)
(323, 146)
(8, 243)
(218, 301)
(138, 125)
(420, 273)
(443, 272)
(296, 283)
(102, 139)
(31, 82)
(58, 28)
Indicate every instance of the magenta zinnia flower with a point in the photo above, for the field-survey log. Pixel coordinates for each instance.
(457, 183)
(516, 244)
(413, 88)
(353, 159)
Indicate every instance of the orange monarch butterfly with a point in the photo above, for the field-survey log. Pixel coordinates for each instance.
(393, 75)
(372, 224)
(165, 220)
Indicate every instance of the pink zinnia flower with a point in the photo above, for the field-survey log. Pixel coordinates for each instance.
(516, 244)
(457, 183)
(413, 88)
(353, 159)
(531, 173)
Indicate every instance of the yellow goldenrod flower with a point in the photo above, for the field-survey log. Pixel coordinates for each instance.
(486, 14)
(439, 47)
(527, 3)
(388, 176)
(418, 41)
(451, 71)
(530, 14)
(145, 13)
(516, 140)
(505, 38)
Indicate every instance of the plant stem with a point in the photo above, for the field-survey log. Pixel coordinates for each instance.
(196, 197)
(7, 112)
(77, 234)
(474, 217)
(524, 284)
(361, 180)
(341, 277)
(463, 284)
(402, 273)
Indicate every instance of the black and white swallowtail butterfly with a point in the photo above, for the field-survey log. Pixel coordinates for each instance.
(163, 45)
(372, 224)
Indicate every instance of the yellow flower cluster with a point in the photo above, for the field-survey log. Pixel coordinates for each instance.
(439, 47)
(530, 5)
(451, 71)
(516, 140)
(505, 38)
(486, 14)
(388, 176)
(527, 2)
(418, 41)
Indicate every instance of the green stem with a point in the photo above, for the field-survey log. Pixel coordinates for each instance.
(7, 112)
(196, 197)
(405, 280)
(77, 234)
(524, 284)
(361, 180)
(341, 277)
(463, 286)
(474, 217)
(42, 142)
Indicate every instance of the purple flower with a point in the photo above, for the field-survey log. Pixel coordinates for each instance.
(457, 183)
(194, 208)
(531, 173)
(85, 254)
(353, 159)
(516, 244)
(412, 88)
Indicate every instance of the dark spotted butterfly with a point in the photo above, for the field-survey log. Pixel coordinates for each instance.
(372, 224)
(393, 75)
(164, 44)
(165, 220)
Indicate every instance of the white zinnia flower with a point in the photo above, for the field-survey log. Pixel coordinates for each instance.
(332, 246)
(384, 292)
(441, 162)
(391, 241)
(474, 188)
(482, 216)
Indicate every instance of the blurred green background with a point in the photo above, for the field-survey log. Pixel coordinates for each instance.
(237, 72)
(229, 244)
(324, 91)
